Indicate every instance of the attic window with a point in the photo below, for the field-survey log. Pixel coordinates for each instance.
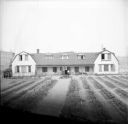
(102, 56)
(49, 56)
(81, 57)
(20, 57)
(65, 57)
(109, 56)
(26, 57)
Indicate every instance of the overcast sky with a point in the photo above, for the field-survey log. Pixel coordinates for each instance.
(66, 25)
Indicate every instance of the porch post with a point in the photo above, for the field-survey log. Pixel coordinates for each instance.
(109, 68)
(102, 67)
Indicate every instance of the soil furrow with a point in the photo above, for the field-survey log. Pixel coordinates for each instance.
(13, 95)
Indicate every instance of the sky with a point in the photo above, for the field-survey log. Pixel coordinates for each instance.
(65, 25)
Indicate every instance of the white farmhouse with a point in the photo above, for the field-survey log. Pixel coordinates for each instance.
(23, 65)
(104, 62)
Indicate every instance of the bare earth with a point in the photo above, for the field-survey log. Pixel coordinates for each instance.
(103, 98)
(54, 101)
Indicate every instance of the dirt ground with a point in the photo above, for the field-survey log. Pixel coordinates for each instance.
(95, 98)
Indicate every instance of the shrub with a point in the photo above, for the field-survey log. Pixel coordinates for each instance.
(7, 73)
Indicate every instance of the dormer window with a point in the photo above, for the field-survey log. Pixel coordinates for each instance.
(65, 57)
(49, 56)
(102, 56)
(26, 57)
(20, 58)
(81, 56)
(109, 56)
(106, 56)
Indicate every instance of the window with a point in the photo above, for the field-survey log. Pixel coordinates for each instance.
(23, 69)
(86, 69)
(17, 69)
(54, 69)
(29, 68)
(65, 57)
(60, 68)
(68, 68)
(109, 56)
(102, 56)
(26, 57)
(49, 56)
(20, 57)
(76, 69)
(105, 67)
(112, 67)
(100, 68)
(44, 69)
(81, 57)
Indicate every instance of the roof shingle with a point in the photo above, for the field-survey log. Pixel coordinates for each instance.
(40, 59)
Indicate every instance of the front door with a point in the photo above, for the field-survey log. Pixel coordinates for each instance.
(76, 69)
(65, 70)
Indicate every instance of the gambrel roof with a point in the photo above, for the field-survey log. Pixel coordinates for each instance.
(40, 59)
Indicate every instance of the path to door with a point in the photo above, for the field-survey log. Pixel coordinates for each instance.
(54, 101)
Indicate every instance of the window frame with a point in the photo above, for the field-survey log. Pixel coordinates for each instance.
(87, 69)
(48, 56)
(80, 57)
(109, 56)
(106, 65)
(55, 69)
(100, 67)
(20, 57)
(68, 68)
(17, 69)
(26, 57)
(29, 68)
(44, 69)
(60, 68)
(24, 69)
(102, 56)
(76, 69)
(65, 57)
(113, 69)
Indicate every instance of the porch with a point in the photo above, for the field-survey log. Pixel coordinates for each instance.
(58, 70)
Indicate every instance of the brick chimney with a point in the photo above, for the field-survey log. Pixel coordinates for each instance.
(38, 51)
(104, 49)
